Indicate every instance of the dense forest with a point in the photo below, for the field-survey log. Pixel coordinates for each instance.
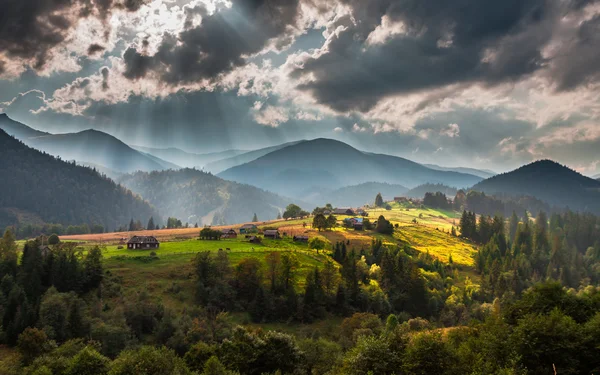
(402, 311)
(53, 191)
(194, 196)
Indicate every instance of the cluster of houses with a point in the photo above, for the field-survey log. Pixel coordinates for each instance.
(346, 211)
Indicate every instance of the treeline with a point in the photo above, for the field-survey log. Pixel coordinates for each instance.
(55, 191)
(44, 287)
(565, 247)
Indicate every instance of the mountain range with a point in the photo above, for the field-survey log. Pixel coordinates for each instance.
(549, 181)
(483, 173)
(326, 163)
(188, 159)
(43, 189)
(88, 146)
(200, 197)
(230, 162)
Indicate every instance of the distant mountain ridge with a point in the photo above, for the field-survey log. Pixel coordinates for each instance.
(224, 164)
(333, 164)
(88, 146)
(483, 173)
(199, 197)
(188, 159)
(54, 191)
(549, 181)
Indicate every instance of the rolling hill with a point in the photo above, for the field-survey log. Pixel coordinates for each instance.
(419, 191)
(188, 159)
(332, 164)
(359, 195)
(549, 181)
(88, 146)
(221, 165)
(45, 189)
(198, 197)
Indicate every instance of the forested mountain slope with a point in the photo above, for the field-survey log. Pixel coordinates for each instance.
(199, 197)
(61, 192)
(549, 181)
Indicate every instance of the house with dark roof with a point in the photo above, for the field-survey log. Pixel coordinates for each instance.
(343, 211)
(228, 233)
(272, 234)
(143, 242)
(248, 228)
(300, 238)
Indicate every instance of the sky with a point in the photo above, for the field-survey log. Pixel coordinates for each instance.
(484, 84)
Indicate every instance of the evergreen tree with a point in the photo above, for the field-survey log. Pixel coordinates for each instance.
(131, 225)
(255, 218)
(513, 225)
(151, 225)
(379, 200)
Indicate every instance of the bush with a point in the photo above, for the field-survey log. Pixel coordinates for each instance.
(53, 239)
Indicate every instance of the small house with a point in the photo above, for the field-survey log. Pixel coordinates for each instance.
(343, 211)
(254, 239)
(248, 228)
(143, 242)
(356, 223)
(300, 238)
(272, 234)
(228, 233)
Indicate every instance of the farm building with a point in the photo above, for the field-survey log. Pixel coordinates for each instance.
(343, 211)
(254, 239)
(143, 242)
(248, 228)
(355, 222)
(300, 238)
(228, 233)
(272, 233)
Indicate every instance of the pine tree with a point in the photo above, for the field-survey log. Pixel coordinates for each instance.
(379, 200)
(151, 225)
(255, 218)
(131, 225)
(513, 226)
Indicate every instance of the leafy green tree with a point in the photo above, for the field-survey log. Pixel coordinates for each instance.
(383, 226)
(53, 239)
(319, 222)
(88, 362)
(293, 211)
(379, 200)
(371, 355)
(331, 221)
(149, 360)
(316, 243)
(198, 355)
(214, 367)
(32, 343)
(428, 354)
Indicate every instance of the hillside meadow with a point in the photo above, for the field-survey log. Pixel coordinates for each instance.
(168, 273)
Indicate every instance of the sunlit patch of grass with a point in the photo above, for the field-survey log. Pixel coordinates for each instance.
(440, 244)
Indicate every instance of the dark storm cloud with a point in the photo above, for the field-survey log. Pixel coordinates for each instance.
(29, 29)
(217, 45)
(578, 62)
(444, 43)
(95, 48)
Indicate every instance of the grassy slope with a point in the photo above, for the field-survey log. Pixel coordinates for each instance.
(170, 277)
